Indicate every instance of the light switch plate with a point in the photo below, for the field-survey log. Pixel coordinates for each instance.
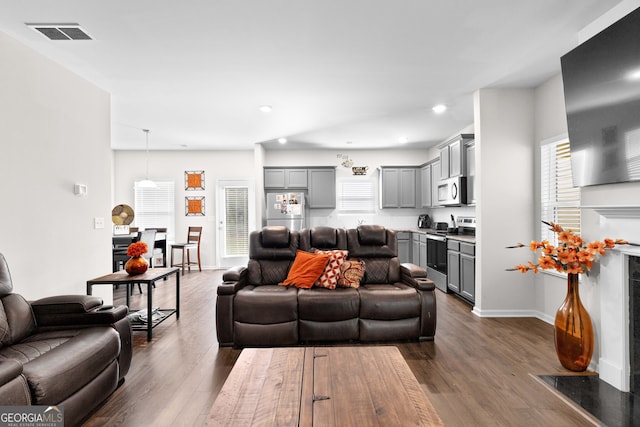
(98, 222)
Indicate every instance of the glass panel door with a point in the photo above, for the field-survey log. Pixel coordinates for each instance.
(234, 217)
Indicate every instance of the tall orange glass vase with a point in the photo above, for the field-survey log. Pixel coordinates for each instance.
(573, 330)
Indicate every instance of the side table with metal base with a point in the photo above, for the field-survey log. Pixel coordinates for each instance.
(150, 277)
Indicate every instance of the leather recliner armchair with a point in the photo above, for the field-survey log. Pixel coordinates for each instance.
(68, 350)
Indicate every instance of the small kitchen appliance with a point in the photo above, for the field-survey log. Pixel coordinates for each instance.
(441, 226)
(452, 191)
(424, 221)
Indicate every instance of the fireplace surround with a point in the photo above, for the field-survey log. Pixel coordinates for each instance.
(614, 363)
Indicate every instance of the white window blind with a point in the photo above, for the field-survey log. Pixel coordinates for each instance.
(560, 200)
(357, 196)
(155, 207)
(236, 201)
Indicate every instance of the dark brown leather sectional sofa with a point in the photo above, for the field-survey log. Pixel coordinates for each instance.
(68, 351)
(393, 302)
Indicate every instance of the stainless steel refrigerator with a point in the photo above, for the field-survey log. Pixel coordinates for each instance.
(286, 209)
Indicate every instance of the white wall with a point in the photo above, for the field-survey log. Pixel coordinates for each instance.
(129, 166)
(54, 132)
(504, 134)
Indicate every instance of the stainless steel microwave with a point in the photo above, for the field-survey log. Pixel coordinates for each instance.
(452, 191)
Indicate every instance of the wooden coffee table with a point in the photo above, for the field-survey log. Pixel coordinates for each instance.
(328, 386)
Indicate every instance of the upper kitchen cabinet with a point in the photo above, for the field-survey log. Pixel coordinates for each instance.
(319, 181)
(453, 156)
(285, 178)
(435, 173)
(425, 186)
(322, 188)
(470, 148)
(429, 178)
(398, 187)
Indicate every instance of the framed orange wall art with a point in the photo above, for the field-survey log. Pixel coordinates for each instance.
(194, 180)
(194, 206)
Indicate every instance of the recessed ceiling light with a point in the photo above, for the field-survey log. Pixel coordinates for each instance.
(440, 108)
(403, 140)
(282, 140)
(266, 108)
(349, 142)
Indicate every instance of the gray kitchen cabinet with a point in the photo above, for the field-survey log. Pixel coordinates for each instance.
(461, 269)
(468, 275)
(295, 178)
(423, 251)
(415, 248)
(274, 178)
(456, 158)
(285, 178)
(444, 162)
(470, 149)
(453, 265)
(435, 173)
(398, 187)
(404, 246)
(322, 188)
(452, 157)
(426, 186)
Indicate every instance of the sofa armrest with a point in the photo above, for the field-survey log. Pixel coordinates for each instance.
(62, 310)
(416, 277)
(14, 390)
(233, 280)
(9, 370)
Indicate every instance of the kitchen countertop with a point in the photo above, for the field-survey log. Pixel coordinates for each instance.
(461, 237)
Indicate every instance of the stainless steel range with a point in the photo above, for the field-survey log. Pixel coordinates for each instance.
(437, 249)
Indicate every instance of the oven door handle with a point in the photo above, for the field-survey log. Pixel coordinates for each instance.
(436, 237)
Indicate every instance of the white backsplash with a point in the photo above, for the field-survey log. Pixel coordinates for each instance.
(399, 219)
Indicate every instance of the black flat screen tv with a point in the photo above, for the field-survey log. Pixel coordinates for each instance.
(601, 80)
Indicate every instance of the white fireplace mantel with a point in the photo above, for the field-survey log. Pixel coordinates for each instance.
(616, 222)
(631, 212)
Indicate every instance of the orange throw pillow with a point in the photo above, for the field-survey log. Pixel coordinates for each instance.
(306, 269)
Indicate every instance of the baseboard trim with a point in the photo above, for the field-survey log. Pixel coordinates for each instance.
(513, 313)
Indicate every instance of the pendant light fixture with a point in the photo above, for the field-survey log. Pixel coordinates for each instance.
(147, 183)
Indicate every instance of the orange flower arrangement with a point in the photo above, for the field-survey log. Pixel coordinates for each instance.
(137, 249)
(571, 255)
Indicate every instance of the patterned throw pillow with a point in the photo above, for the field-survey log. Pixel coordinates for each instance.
(331, 273)
(306, 269)
(351, 273)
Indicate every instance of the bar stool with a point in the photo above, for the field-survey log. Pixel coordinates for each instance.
(193, 242)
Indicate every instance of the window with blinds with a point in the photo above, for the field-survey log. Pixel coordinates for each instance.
(155, 207)
(356, 196)
(560, 200)
(236, 202)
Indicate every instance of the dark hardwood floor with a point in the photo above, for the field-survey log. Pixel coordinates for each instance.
(478, 371)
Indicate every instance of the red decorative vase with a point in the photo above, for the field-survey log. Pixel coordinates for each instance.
(573, 330)
(136, 265)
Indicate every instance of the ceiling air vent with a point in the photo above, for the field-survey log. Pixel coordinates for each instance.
(61, 31)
